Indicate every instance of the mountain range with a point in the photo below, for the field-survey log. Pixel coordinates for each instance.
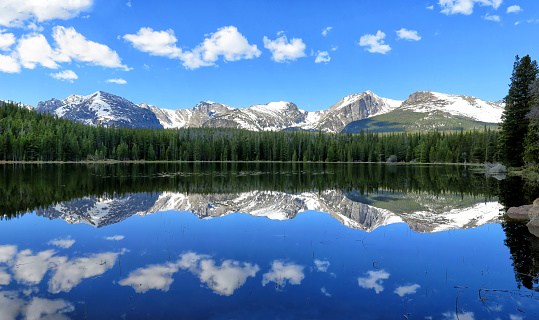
(423, 110)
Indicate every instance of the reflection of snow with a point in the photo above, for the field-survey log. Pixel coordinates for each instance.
(37, 308)
(69, 274)
(371, 282)
(404, 290)
(62, 243)
(157, 277)
(223, 279)
(281, 272)
(321, 265)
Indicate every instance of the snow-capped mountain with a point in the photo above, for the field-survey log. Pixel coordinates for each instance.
(101, 108)
(423, 110)
(352, 209)
(465, 106)
(189, 118)
(355, 107)
(274, 116)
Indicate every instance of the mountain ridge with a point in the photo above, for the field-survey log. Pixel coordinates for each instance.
(346, 115)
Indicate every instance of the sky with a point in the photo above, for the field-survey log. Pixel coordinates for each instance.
(174, 54)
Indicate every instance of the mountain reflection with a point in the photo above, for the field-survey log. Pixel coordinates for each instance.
(360, 196)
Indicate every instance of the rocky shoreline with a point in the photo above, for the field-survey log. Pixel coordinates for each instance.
(527, 212)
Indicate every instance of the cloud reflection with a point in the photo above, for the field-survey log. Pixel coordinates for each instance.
(31, 269)
(373, 280)
(462, 316)
(115, 238)
(282, 272)
(321, 265)
(158, 277)
(62, 243)
(223, 279)
(404, 290)
(7, 253)
(13, 307)
(5, 278)
(69, 274)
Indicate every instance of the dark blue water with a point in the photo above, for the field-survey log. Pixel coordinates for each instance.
(406, 259)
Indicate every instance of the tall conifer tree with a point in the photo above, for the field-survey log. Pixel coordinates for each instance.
(517, 105)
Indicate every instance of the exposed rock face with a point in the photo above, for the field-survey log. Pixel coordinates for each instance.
(101, 108)
(355, 107)
(419, 96)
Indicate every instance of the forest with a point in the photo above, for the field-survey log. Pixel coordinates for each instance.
(26, 135)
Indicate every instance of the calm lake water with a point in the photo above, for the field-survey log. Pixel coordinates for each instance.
(264, 241)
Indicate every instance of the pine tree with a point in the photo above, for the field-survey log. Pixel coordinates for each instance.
(517, 105)
(531, 143)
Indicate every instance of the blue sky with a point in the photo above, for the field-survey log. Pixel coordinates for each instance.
(173, 54)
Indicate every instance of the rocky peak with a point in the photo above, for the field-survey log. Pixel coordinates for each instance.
(419, 96)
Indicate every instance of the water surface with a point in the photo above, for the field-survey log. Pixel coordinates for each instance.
(265, 241)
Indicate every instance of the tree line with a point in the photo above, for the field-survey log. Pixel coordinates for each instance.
(26, 135)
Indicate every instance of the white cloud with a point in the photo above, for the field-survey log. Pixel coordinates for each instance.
(47, 309)
(226, 42)
(128, 4)
(373, 280)
(14, 307)
(63, 75)
(514, 9)
(31, 268)
(34, 27)
(430, 7)
(158, 43)
(325, 292)
(283, 50)
(117, 237)
(10, 305)
(321, 265)
(157, 277)
(450, 315)
(69, 274)
(375, 43)
(73, 45)
(9, 64)
(7, 252)
(334, 48)
(410, 35)
(404, 290)
(34, 49)
(322, 56)
(6, 40)
(14, 12)
(282, 272)
(326, 30)
(494, 17)
(5, 278)
(117, 81)
(466, 6)
(223, 279)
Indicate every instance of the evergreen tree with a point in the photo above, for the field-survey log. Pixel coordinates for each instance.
(517, 105)
(531, 143)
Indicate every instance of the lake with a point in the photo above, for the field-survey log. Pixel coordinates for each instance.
(264, 241)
